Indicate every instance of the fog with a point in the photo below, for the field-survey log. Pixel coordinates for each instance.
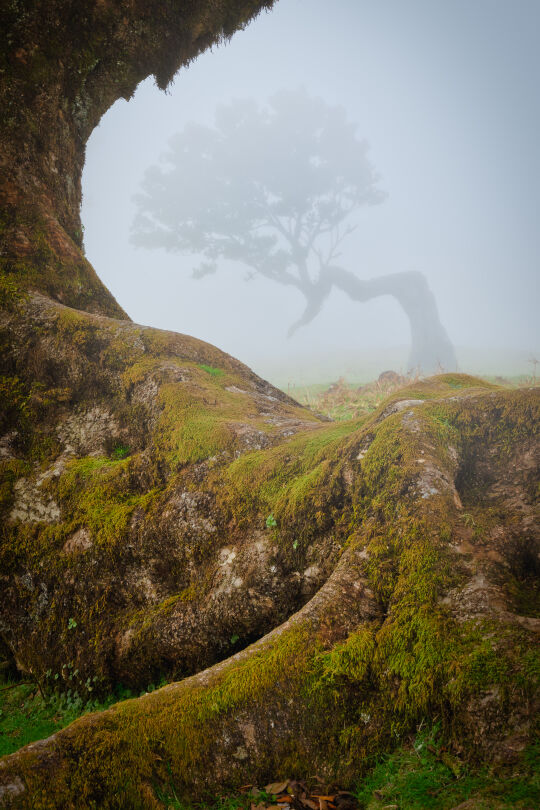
(446, 95)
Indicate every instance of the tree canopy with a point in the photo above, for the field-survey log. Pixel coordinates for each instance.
(275, 187)
(270, 186)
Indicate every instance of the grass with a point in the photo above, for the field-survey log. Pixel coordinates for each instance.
(419, 775)
(422, 775)
(26, 715)
(344, 400)
(214, 372)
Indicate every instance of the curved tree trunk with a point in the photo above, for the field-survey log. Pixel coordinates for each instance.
(63, 63)
(431, 350)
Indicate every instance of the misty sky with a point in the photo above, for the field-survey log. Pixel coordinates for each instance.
(447, 94)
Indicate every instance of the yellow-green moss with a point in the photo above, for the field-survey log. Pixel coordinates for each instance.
(360, 694)
(100, 495)
(292, 479)
(198, 418)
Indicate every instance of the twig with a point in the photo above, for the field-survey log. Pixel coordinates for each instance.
(20, 683)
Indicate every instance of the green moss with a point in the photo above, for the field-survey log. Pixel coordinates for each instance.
(11, 295)
(359, 694)
(10, 471)
(349, 661)
(100, 495)
(215, 372)
(299, 482)
(198, 419)
(183, 719)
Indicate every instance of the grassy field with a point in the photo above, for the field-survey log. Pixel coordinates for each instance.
(346, 399)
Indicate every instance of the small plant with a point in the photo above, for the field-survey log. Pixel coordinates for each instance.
(234, 639)
(120, 451)
(72, 624)
(214, 372)
(468, 520)
(295, 545)
(271, 522)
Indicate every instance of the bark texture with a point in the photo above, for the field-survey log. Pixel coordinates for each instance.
(63, 64)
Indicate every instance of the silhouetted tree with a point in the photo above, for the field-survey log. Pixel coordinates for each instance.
(275, 188)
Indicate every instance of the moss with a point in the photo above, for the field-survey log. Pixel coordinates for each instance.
(198, 419)
(299, 482)
(11, 295)
(10, 471)
(101, 496)
(349, 661)
(215, 372)
(23, 410)
(359, 694)
(14, 403)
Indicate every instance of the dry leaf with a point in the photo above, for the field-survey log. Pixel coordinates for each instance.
(277, 787)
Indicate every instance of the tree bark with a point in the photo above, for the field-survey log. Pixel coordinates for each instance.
(63, 63)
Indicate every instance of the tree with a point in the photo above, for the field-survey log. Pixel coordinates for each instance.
(275, 188)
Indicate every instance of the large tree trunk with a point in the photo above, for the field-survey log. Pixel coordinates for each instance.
(431, 351)
(63, 64)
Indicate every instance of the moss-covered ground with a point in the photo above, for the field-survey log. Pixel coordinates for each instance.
(355, 693)
(418, 775)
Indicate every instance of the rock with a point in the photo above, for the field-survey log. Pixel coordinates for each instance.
(391, 379)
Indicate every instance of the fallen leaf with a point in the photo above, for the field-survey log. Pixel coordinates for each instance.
(277, 787)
